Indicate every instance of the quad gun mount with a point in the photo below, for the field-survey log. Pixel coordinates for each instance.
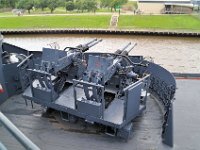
(109, 82)
(101, 69)
(91, 86)
(54, 60)
(110, 89)
(50, 76)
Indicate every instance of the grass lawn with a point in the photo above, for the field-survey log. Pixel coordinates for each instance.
(25, 22)
(168, 22)
(6, 14)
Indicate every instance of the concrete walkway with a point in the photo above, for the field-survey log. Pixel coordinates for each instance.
(114, 21)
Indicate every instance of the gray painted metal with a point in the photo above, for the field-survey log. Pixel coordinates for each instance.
(3, 96)
(48, 74)
(168, 131)
(132, 104)
(28, 144)
(49, 133)
(2, 147)
(91, 106)
(10, 77)
(163, 85)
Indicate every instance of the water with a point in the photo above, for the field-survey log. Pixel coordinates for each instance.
(176, 54)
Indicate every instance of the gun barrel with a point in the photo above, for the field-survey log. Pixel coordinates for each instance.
(86, 46)
(92, 44)
(119, 51)
(126, 52)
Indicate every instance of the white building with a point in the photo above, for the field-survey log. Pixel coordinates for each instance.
(165, 6)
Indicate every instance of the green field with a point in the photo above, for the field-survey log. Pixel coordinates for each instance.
(168, 22)
(163, 22)
(75, 21)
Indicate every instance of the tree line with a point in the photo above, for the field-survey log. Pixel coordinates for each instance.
(70, 5)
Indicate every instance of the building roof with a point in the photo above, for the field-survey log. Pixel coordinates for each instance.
(165, 1)
(180, 4)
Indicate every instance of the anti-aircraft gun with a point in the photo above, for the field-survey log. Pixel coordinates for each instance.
(108, 89)
(54, 61)
(48, 78)
(101, 69)
(106, 67)
(111, 92)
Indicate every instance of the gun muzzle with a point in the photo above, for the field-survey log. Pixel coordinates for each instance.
(127, 51)
(119, 51)
(91, 42)
(86, 47)
(94, 43)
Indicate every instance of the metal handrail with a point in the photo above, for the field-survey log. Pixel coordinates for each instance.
(25, 141)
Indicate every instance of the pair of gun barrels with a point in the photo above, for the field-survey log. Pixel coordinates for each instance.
(123, 51)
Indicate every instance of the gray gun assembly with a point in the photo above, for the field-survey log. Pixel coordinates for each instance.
(101, 83)
(48, 79)
(112, 92)
(108, 89)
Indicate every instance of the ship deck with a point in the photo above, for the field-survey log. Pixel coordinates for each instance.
(49, 133)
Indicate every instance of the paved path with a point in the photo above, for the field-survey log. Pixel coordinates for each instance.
(114, 21)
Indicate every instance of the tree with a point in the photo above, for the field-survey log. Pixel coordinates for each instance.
(106, 3)
(112, 3)
(116, 3)
(12, 3)
(79, 5)
(25, 4)
(41, 4)
(8, 3)
(53, 4)
(90, 5)
(63, 2)
(3, 3)
(69, 6)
